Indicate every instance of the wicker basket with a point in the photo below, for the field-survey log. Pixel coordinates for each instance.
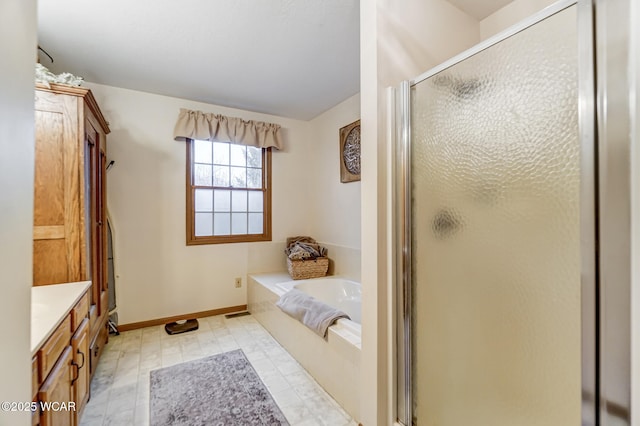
(312, 268)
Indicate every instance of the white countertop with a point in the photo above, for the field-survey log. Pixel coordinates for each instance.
(49, 306)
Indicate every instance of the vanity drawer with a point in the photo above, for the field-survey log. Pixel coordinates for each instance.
(79, 312)
(53, 347)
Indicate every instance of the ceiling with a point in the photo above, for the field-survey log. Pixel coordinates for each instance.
(480, 9)
(291, 58)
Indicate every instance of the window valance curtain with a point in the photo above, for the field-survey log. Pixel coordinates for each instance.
(219, 128)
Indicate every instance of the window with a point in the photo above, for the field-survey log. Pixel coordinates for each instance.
(228, 193)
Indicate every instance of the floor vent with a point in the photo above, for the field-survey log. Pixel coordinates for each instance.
(237, 314)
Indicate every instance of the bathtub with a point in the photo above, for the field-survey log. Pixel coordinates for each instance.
(334, 363)
(340, 293)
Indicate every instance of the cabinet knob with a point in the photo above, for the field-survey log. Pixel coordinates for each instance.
(99, 223)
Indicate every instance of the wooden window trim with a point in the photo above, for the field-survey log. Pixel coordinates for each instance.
(192, 239)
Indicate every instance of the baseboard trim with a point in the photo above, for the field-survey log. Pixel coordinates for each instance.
(160, 321)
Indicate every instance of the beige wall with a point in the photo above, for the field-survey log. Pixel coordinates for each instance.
(17, 50)
(635, 217)
(510, 15)
(414, 36)
(399, 41)
(157, 275)
(335, 205)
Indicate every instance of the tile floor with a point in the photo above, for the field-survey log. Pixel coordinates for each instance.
(120, 387)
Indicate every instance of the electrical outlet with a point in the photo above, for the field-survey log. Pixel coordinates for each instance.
(238, 282)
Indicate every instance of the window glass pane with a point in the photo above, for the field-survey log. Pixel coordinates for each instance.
(202, 151)
(202, 174)
(238, 177)
(255, 223)
(222, 224)
(220, 176)
(255, 201)
(238, 223)
(239, 201)
(254, 178)
(204, 200)
(238, 155)
(221, 153)
(254, 156)
(237, 208)
(204, 224)
(221, 200)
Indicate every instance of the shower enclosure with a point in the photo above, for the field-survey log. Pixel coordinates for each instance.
(498, 311)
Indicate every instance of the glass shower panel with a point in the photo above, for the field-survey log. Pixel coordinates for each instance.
(495, 171)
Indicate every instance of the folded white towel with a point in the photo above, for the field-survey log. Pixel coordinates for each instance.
(316, 315)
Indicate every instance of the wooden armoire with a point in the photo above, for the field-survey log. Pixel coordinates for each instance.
(70, 221)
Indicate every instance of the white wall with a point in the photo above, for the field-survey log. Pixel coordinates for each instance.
(399, 40)
(335, 206)
(157, 275)
(414, 36)
(510, 15)
(635, 215)
(18, 52)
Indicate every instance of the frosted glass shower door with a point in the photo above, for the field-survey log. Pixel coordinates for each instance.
(495, 234)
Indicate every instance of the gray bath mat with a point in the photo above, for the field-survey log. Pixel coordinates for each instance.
(223, 390)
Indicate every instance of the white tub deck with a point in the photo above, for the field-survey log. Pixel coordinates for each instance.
(334, 363)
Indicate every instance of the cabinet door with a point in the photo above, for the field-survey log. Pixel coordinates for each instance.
(91, 219)
(57, 389)
(95, 175)
(101, 187)
(58, 246)
(96, 348)
(80, 381)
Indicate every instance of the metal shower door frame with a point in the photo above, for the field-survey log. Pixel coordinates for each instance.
(588, 212)
(615, 123)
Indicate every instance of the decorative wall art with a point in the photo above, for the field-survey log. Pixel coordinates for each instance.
(350, 152)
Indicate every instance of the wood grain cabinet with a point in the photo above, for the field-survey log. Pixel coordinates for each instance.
(57, 389)
(50, 352)
(60, 371)
(70, 221)
(80, 363)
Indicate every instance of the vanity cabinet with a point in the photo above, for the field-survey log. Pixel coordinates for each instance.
(50, 352)
(80, 352)
(57, 388)
(70, 232)
(60, 370)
